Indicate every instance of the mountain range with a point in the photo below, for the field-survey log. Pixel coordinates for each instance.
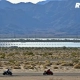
(50, 18)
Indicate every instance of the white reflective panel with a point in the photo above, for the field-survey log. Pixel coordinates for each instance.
(40, 44)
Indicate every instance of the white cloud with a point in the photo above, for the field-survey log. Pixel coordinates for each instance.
(18, 1)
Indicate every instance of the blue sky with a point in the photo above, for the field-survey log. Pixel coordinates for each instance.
(17, 1)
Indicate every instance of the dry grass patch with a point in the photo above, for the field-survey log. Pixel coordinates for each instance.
(67, 64)
(16, 67)
(29, 58)
(28, 67)
(77, 66)
(56, 67)
(55, 79)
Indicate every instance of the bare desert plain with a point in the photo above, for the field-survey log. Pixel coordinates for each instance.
(30, 63)
(41, 78)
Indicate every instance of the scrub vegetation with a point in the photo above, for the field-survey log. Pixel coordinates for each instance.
(40, 58)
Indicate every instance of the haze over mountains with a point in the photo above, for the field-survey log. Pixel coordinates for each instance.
(44, 19)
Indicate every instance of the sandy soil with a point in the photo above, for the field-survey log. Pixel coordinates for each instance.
(41, 78)
(64, 70)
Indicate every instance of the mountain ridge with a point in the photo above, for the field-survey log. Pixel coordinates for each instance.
(51, 19)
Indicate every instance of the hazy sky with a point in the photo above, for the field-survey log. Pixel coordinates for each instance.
(17, 1)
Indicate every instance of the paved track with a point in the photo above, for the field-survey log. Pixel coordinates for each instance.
(40, 74)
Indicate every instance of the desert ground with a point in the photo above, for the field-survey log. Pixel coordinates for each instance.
(37, 60)
(41, 78)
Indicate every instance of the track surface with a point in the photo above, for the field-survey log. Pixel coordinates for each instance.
(40, 74)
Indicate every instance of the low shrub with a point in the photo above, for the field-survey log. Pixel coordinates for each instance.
(67, 64)
(56, 67)
(77, 66)
(17, 67)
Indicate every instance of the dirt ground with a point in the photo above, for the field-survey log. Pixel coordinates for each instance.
(41, 78)
(62, 55)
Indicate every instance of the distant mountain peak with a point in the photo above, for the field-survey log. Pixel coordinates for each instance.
(46, 1)
(56, 18)
(3, 0)
(24, 3)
